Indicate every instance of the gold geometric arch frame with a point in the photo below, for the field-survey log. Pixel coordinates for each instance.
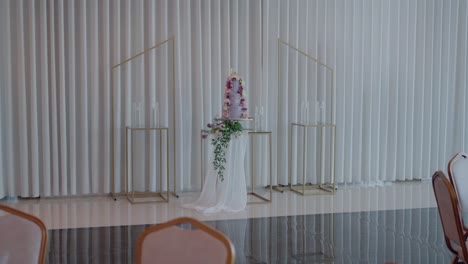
(139, 62)
(302, 77)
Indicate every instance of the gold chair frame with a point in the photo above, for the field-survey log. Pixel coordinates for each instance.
(231, 253)
(450, 231)
(38, 222)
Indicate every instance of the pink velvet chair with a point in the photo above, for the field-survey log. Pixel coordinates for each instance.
(23, 237)
(167, 243)
(458, 175)
(449, 211)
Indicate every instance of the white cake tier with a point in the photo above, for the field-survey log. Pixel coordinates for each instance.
(235, 110)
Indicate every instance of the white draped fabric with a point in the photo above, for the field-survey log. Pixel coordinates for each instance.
(400, 76)
(229, 194)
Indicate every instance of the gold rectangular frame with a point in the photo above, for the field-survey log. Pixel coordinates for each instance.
(131, 195)
(330, 188)
(251, 133)
(113, 193)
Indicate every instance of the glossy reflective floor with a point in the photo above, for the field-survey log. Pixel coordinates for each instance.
(104, 211)
(391, 223)
(403, 236)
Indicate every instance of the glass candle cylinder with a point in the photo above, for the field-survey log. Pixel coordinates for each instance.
(155, 114)
(322, 112)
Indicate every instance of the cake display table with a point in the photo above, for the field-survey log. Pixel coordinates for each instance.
(253, 135)
(224, 186)
(230, 193)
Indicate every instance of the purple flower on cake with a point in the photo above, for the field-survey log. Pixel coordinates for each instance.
(204, 136)
(229, 97)
(219, 134)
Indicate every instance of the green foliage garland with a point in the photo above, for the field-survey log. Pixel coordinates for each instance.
(222, 132)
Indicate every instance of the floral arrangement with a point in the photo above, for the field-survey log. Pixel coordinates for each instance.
(228, 100)
(224, 128)
(222, 131)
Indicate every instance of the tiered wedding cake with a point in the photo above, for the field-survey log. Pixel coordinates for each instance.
(235, 104)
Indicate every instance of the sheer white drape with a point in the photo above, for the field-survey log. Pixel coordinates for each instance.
(401, 85)
(229, 194)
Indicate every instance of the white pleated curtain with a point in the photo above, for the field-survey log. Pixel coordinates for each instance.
(56, 84)
(400, 78)
(400, 81)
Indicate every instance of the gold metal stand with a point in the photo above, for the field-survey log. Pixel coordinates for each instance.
(252, 135)
(252, 192)
(329, 187)
(328, 97)
(115, 67)
(131, 195)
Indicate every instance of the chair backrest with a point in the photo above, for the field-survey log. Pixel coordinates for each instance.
(458, 174)
(23, 237)
(167, 243)
(447, 202)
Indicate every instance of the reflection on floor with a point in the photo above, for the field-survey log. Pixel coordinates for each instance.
(103, 211)
(402, 236)
(392, 223)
